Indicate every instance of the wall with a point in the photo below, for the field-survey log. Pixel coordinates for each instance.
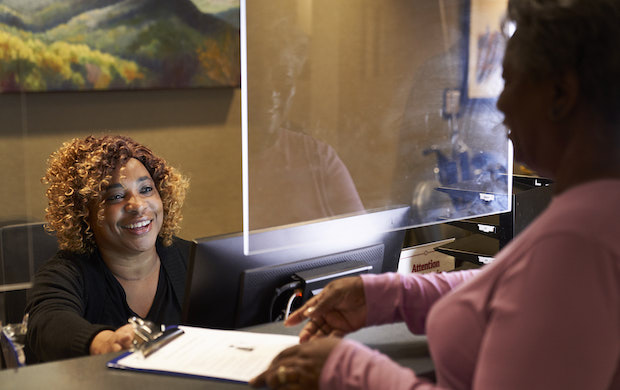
(198, 131)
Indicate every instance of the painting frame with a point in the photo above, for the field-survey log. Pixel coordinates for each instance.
(484, 49)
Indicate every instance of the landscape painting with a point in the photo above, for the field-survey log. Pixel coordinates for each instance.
(81, 45)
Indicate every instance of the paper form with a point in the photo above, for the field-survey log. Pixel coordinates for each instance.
(231, 355)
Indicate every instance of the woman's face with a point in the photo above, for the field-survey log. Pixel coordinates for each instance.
(132, 212)
(526, 106)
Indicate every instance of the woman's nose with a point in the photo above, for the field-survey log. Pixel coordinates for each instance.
(135, 204)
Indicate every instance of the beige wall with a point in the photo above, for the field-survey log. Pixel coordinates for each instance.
(197, 131)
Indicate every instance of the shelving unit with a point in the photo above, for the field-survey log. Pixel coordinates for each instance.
(530, 196)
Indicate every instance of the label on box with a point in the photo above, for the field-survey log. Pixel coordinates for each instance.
(424, 258)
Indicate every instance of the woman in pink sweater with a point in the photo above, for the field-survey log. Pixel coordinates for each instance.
(546, 313)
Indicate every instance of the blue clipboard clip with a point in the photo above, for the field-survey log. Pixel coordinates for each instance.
(149, 337)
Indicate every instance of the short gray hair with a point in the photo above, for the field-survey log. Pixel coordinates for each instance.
(583, 35)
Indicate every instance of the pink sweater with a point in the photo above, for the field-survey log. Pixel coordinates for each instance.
(544, 315)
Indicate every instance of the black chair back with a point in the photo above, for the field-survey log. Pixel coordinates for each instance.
(23, 249)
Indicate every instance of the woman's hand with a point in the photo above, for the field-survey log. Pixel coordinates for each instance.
(297, 367)
(112, 341)
(339, 309)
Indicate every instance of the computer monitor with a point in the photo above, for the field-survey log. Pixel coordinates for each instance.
(228, 289)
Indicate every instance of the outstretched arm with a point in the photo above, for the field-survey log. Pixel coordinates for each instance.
(395, 297)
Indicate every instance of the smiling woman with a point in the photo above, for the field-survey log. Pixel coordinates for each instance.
(114, 207)
(130, 217)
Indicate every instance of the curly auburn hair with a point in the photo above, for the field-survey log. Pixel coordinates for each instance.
(79, 173)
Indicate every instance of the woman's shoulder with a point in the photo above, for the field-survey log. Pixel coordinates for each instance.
(65, 258)
(587, 213)
(183, 246)
(181, 243)
(178, 251)
(68, 263)
(66, 268)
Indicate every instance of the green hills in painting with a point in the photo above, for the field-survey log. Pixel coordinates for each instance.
(118, 44)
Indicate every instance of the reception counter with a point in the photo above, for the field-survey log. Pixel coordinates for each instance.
(91, 372)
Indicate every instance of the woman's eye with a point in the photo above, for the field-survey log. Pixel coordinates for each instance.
(146, 189)
(114, 197)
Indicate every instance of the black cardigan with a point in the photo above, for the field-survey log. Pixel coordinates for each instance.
(75, 296)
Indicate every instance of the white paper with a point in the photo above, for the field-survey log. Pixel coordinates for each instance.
(223, 354)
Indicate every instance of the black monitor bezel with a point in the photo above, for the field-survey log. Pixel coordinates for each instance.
(218, 265)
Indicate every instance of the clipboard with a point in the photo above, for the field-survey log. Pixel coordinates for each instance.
(226, 355)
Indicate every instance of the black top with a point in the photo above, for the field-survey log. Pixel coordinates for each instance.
(75, 296)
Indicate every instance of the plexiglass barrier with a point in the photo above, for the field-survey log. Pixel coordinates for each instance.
(356, 106)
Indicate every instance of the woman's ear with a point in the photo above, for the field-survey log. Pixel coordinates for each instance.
(565, 95)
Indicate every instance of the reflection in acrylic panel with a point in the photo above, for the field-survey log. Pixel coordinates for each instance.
(346, 113)
(53, 45)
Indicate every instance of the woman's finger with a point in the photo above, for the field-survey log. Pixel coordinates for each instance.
(300, 314)
(260, 380)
